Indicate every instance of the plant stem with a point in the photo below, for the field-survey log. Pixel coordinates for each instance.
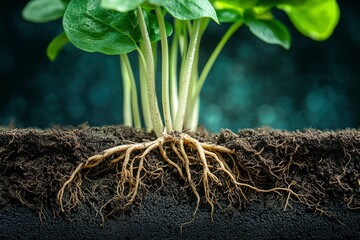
(143, 91)
(194, 118)
(173, 70)
(189, 113)
(183, 44)
(165, 71)
(192, 114)
(154, 47)
(153, 103)
(185, 81)
(127, 95)
(209, 64)
(134, 99)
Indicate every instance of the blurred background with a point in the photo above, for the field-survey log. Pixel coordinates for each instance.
(253, 84)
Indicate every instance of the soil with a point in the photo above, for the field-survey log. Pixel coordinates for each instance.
(321, 168)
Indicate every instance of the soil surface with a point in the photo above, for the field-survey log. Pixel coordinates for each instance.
(322, 169)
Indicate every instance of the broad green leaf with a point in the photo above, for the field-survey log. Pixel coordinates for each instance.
(154, 30)
(94, 29)
(316, 19)
(121, 5)
(228, 15)
(188, 9)
(180, 9)
(56, 45)
(40, 11)
(270, 31)
(224, 6)
(238, 3)
(233, 10)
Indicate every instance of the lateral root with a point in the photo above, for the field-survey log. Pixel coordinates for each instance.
(213, 165)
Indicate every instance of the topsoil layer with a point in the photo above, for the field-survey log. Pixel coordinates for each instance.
(322, 168)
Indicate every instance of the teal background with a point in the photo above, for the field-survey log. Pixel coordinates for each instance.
(253, 84)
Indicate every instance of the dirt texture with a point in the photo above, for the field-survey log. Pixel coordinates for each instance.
(322, 170)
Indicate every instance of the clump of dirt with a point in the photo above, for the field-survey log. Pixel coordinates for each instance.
(318, 167)
(322, 167)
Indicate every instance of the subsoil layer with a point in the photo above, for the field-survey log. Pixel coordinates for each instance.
(322, 168)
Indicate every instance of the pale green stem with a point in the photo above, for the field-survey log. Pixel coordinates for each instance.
(183, 43)
(144, 92)
(189, 113)
(153, 103)
(154, 46)
(185, 81)
(204, 25)
(173, 70)
(188, 27)
(165, 71)
(209, 64)
(134, 99)
(192, 114)
(194, 119)
(126, 95)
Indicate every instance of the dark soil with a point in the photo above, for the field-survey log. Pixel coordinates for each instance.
(322, 168)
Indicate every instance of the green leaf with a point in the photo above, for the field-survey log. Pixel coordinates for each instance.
(238, 3)
(41, 11)
(94, 29)
(233, 10)
(228, 15)
(188, 9)
(56, 45)
(121, 5)
(270, 31)
(180, 9)
(153, 26)
(314, 18)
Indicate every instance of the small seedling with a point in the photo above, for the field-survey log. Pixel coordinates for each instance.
(123, 27)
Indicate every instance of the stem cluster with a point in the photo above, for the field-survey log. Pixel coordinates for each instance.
(181, 82)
